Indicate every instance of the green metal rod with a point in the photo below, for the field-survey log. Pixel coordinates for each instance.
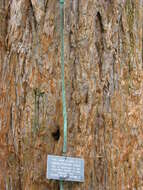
(63, 81)
(63, 77)
(62, 1)
(61, 185)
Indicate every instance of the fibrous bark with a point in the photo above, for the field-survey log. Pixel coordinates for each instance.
(104, 92)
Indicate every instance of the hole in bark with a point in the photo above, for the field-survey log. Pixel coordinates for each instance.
(56, 134)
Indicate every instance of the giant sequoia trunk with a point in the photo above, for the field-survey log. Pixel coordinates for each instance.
(104, 92)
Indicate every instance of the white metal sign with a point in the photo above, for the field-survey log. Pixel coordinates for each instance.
(65, 168)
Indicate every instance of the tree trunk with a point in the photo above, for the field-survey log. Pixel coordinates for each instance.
(104, 92)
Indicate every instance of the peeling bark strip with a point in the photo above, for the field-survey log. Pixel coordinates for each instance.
(104, 80)
(37, 95)
(33, 15)
(36, 120)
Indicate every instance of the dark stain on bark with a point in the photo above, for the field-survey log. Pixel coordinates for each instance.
(99, 40)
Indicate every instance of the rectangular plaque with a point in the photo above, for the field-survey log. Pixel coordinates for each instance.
(65, 168)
